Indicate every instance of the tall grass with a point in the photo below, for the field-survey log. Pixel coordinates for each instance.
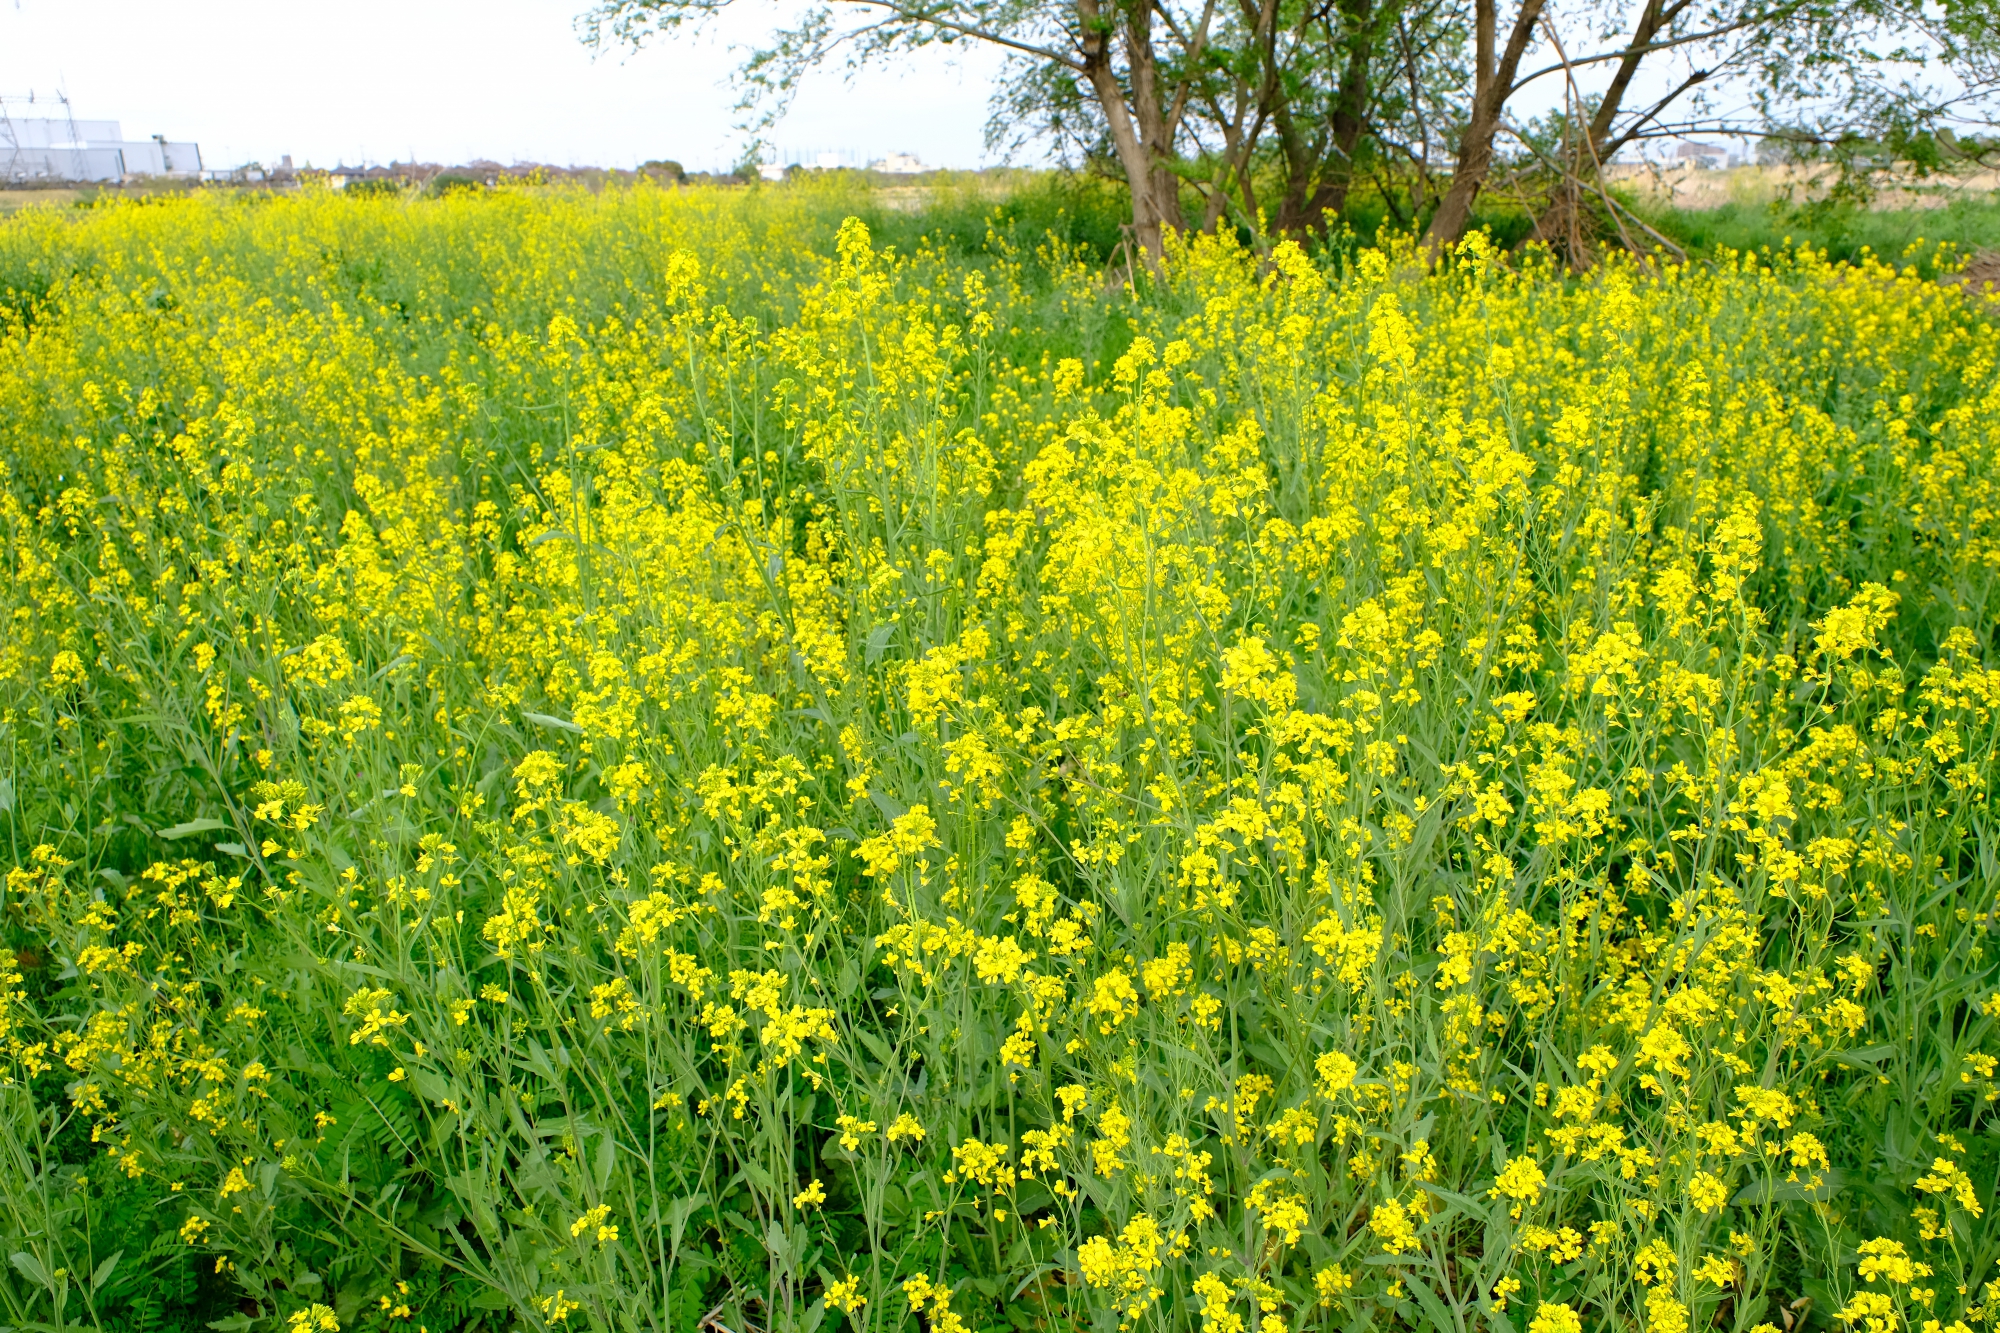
(1843, 234)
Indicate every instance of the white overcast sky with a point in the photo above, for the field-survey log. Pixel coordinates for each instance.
(452, 80)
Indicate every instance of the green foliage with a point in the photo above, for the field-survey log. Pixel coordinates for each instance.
(972, 219)
(1964, 226)
(450, 182)
(375, 187)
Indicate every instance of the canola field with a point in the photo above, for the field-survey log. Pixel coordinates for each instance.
(651, 761)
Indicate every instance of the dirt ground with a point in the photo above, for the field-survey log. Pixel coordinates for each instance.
(12, 200)
(1981, 276)
(1687, 186)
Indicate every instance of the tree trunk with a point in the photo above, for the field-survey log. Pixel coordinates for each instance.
(1475, 159)
(1494, 83)
(1140, 172)
(1301, 162)
(1350, 108)
(1143, 133)
(1151, 111)
(1560, 223)
(1275, 106)
(1560, 226)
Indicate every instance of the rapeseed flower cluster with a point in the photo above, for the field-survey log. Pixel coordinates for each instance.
(605, 756)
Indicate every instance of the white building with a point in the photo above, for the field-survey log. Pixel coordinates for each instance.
(46, 148)
(899, 164)
(1705, 156)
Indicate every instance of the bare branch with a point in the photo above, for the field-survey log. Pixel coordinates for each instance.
(1699, 76)
(1621, 53)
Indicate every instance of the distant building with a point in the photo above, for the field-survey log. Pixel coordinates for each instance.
(1703, 155)
(46, 148)
(899, 164)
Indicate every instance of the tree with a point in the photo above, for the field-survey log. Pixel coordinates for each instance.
(1210, 95)
(1135, 62)
(1341, 86)
(1815, 69)
(1217, 96)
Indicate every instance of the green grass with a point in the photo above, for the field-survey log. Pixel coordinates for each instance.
(1844, 233)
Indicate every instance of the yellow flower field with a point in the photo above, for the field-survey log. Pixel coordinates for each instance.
(643, 761)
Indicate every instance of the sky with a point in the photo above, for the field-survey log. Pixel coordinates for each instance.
(366, 81)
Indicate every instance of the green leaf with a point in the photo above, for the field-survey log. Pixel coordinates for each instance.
(105, 1270)
(429, 1085)
(32, 1268)
(1866, 1057)
(607, 1159)
(1758, 1191)
(192, 826)
(1465, 1203)
(877, 1047)
(1433, 1307)
(544, 720)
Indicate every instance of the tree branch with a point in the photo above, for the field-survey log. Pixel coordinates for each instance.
(1622, 53)
(1611, 148)
(1194, 52)
(967, 30)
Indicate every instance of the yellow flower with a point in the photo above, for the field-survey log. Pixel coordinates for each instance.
(1329, 1282)
(1654, 1263)
(1337, 1071)
(66, 669)
(852, 1130)
(1394, 1225)
(1520, 1180)
(1870, 1311)
(1664, 1314)
(1716, 1270)
(845, 1295)
(313, 1319)
(1215, 1295)
(1948, 1177)
(1707, 1192)
(1555, 1317)
(1883, 1258)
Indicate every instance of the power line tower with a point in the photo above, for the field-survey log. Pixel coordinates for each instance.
(10, 140)
(19, 158)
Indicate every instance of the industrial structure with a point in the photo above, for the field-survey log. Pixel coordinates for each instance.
(37, 146)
